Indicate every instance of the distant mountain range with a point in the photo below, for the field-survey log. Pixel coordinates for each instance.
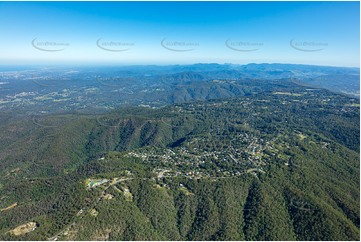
(51, 89)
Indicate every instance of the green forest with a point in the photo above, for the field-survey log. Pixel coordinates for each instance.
(275, 165)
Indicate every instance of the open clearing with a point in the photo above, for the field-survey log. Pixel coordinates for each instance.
(24, 229)
(288, 93)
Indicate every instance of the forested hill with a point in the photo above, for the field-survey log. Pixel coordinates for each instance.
(280, 164)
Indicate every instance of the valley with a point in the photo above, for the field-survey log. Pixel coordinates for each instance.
(219, 169)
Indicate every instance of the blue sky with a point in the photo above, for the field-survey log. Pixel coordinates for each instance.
(320, 33)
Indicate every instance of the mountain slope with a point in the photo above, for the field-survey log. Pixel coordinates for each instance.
(280, 164)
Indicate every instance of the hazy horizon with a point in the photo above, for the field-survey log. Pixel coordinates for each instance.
(77, 64)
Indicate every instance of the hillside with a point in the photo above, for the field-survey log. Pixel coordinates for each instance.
(279, 164)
